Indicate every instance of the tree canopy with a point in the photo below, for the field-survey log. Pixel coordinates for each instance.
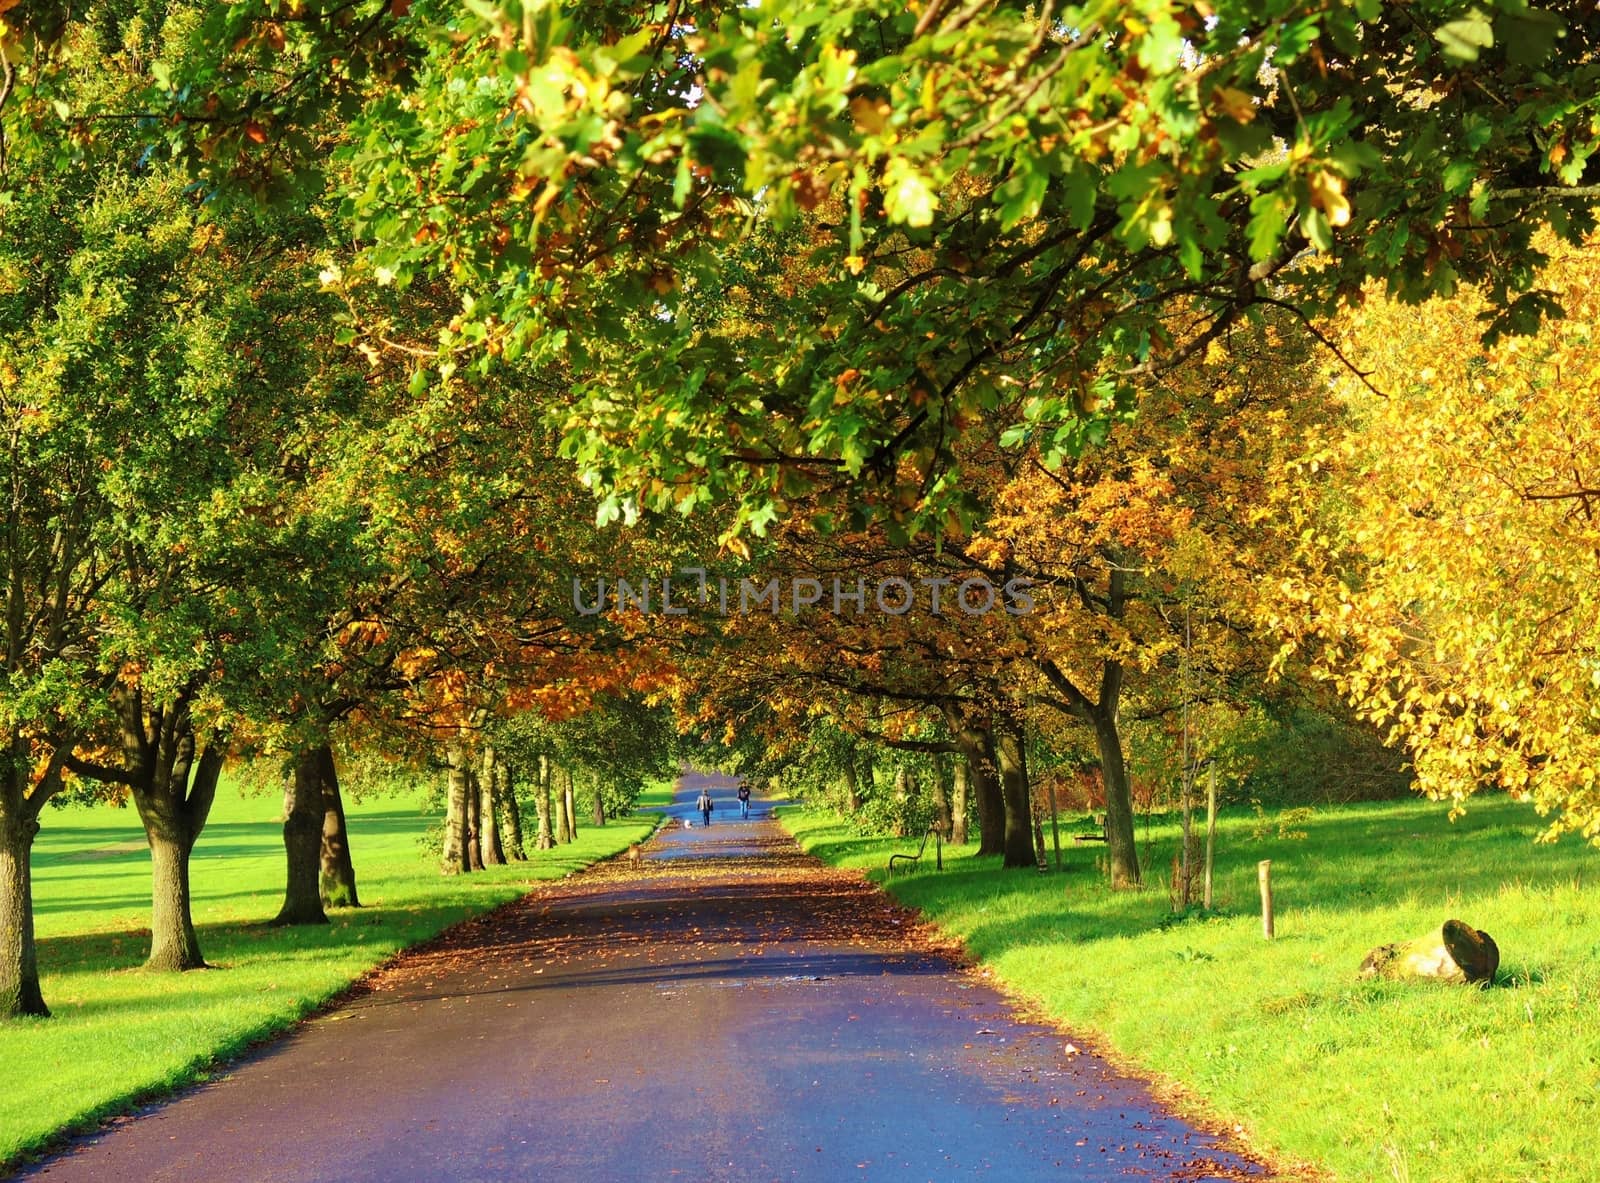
(1052, 201)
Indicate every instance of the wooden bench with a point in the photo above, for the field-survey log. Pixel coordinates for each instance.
(938, 851)
(1100, 837)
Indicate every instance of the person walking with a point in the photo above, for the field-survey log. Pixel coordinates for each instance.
(744, 799)
(704, 805)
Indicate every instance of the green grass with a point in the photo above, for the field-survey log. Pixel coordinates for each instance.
(657, 794)
(121, 1033)
(1368, 1080)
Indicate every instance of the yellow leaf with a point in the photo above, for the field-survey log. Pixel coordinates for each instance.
(1237, 105)
(1327, 194)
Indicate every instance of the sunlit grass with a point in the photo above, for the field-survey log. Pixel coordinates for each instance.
(119, 1032)
(1374, 1081)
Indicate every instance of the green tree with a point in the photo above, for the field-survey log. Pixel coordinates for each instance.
(1007, 213)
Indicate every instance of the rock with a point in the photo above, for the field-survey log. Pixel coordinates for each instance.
(1456, 953)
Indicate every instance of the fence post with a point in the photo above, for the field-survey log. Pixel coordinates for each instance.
(1264, 875)
(1211, 825)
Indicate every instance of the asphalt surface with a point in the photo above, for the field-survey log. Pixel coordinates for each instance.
(721, 1008)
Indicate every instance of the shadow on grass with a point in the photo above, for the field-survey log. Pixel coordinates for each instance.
(1351, 860)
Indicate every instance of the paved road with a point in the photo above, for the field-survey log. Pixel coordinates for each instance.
(726, 1008)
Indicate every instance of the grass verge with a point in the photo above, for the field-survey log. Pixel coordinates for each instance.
(1367, 1080)
(120, 1034)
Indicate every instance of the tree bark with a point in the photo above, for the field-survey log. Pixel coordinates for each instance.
(902, 801)
(866, 774)
(173, 792)
(488, 810)
(569, 800)
(558, 778)
(173, 942)
(958, 801)
(977, 745)
(338, 877)
(852, 785)
(173, 812)
(510, 812)
(1121, 846)
(1101, 713)
(941, 797)
(454, 856)
(474, 821)
(19, 964)
(1009, 750)
(543, 837)
(302, 841)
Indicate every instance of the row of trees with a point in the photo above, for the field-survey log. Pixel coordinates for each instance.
(231, 532)
(327, 323)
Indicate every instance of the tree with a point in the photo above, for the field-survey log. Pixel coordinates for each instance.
(1146, 556)
(1450, 547)
(143, 376)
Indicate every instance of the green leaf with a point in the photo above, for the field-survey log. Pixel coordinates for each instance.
(1021, 196)
(1459, 175)
(1191, 256)
(1532, 36)
(1295, 39)
(1465, 39)
(1268, 216)
(1315, 224)
(907, 197)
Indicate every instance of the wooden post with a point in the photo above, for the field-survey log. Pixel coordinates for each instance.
(1211, 825)
(1188, 836)
(1264, 875)
(1055, 820)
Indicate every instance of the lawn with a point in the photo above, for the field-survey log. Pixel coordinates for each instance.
(120, 1033)
(1369, 1080)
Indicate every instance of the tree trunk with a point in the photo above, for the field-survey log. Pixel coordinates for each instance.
(558, 778)
(1008, 745)
(173, 811)
(455, 859)
(941, 797)
(338, 878)
(902, 801)
(599, 804)
(510, 812)
(474, 821)
(19, 964)
(302, 841)
(1456, 952)
(489, 810)
(958, 801)
(543, 838)
(173, 943)
(866, 774)
(852, 786)
(569, 798)
(1120, 838)
(977, 745)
